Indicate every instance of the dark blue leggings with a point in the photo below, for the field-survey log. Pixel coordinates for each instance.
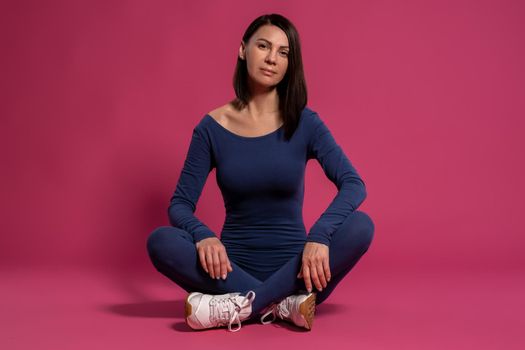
(173, 253)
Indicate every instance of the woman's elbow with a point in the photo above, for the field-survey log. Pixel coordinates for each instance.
(176, 214)
(362, 191)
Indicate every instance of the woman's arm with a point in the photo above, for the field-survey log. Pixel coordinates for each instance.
(197, 166)
(338, 168)
(315, 267)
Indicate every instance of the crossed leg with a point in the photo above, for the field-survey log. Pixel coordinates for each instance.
(174, 254)
(348, 244)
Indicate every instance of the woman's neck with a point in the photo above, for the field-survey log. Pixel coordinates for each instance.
(263, 105)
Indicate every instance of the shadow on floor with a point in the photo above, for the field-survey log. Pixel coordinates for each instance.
(175, 309)
(149, 309)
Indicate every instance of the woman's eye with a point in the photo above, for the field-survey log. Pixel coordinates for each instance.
(285, 53)
(262, 45)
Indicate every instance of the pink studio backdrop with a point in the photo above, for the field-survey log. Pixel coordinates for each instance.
(99, 100)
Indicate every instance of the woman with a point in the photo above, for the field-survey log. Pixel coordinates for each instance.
(264, 264)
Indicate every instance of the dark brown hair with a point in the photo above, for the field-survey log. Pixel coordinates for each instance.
(291, 89)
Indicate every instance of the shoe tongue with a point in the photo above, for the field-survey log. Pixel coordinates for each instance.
(245, 305)
(285, 308)
(245, 312)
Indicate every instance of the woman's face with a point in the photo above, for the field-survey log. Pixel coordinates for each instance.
(267, 49)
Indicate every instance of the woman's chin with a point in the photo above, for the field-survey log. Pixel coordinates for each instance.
(266, 83)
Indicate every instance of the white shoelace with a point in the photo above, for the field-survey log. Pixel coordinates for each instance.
(282, 309)
(225, 311)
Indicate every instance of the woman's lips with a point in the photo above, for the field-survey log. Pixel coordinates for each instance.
(267, 72)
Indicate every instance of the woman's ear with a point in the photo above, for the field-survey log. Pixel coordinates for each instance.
(242, 51)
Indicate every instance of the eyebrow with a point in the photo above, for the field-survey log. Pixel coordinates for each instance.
(268, 41)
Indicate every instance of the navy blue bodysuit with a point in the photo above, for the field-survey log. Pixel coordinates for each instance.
(262, 183)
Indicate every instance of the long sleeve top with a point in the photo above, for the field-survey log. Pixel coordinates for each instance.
(261, 180)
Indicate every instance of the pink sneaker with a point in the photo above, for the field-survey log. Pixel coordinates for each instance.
(208, 311)
(298, 309)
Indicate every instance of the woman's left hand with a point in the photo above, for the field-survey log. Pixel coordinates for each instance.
(315, 266)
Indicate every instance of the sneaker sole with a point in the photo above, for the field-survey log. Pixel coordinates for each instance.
(307, 310)
(187, 308)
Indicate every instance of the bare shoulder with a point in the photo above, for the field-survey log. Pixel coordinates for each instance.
(224, 114)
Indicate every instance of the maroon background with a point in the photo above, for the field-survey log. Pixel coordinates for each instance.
(99, 99)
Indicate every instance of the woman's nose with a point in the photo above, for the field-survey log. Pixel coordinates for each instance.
(271, 57)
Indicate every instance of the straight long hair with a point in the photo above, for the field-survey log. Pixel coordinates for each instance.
(291, 89)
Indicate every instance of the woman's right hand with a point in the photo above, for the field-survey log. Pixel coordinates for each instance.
(213, 257)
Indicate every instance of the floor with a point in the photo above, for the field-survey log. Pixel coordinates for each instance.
(82, 308)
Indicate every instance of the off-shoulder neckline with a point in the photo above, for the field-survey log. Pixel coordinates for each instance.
(215, 122)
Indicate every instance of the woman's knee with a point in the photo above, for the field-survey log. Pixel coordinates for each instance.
(161, 238)
(364, 228)
(356, 232)
(156, 239)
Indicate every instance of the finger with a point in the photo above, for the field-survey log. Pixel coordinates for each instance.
(230, 268)
(320, 273)
(306, 277)
(224, 264)
(216, 264)
(326, 267)
(315, 277)
(202, 258)
(209, 263)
